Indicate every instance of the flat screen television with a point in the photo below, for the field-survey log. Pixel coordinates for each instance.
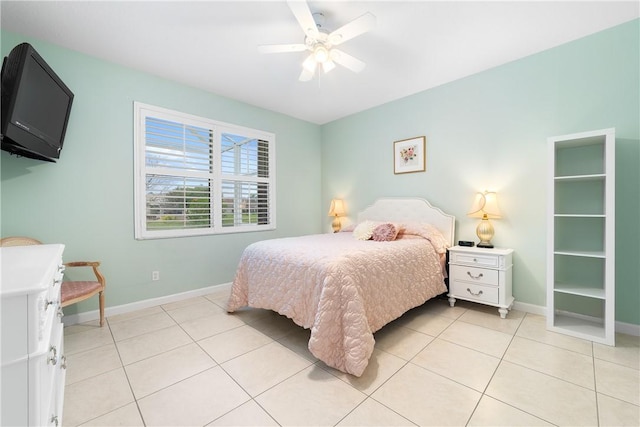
(36, 105)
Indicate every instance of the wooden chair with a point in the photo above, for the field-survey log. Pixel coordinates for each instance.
(74, 291)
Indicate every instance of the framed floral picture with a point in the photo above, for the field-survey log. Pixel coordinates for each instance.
(409, 155)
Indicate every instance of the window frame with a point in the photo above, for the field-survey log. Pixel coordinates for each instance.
(215, 174)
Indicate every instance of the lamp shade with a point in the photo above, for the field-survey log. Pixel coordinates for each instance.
(485, 204)
(337, 208)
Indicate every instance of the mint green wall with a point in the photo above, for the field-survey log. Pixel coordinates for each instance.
(86, 199)
(489, 131)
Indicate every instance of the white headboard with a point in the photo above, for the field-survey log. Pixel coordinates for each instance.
(412, 209)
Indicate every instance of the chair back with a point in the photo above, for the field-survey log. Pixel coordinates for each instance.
(19, 241)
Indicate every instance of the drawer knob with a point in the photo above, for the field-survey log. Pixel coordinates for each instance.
(54, 420)
(479, 276)
(63, 359)
(54, 355)
(475, 295)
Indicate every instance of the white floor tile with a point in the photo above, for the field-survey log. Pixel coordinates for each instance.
(311, 397)
(626, 351)
(265, 367)
(95, 396)
(614, 412)
(534, 327)
(87, 340)
(381, 367)
(157, 372)
(228, 345)
(372, 413)
(125, 317)
(152, 343)
(493, 413)
(207, 326)
(199, 309)
(90, 363)
(484, 340)
(126, 416)
(196, 401)
(140, 325)
(427, 399)
(249, 414)
(488, 317)
(555, 361)
(553, 400)
(461, 364)
(618, 381)
(402, 342)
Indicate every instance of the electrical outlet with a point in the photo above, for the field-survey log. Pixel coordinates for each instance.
(155, 275)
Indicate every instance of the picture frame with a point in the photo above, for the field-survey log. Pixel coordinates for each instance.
(409, 155)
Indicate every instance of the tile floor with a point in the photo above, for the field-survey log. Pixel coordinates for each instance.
(191, 364)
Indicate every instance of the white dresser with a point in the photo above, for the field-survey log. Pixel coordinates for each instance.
(481, 275)
(33, 364)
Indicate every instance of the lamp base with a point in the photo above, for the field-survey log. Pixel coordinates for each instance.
(336, 224)
(485, 233)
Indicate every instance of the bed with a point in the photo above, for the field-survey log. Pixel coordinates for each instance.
(344, 289)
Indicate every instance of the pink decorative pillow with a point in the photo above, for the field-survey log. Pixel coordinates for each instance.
(385, 232)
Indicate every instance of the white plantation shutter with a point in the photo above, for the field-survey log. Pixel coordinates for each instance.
(245, 180)
(196, 176)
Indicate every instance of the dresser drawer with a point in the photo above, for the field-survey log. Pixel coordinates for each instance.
(48, 370)
(473, 274)
(475, 259)
(475, 292)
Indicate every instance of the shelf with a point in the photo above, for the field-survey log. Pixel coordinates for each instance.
(579, 215)
(590, 177)
(573, 289)
(580, 327)
(587, 254)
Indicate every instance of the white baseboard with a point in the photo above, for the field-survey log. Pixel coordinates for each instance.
(530, 308)
(88, 316)
(628, 328)
(72, 319)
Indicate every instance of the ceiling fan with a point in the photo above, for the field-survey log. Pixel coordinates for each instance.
(321, 43)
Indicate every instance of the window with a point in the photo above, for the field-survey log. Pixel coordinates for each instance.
(196, 176)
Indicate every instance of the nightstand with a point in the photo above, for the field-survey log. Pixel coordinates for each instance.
(481, 275)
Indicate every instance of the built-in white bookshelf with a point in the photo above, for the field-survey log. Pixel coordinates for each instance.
(581, 236)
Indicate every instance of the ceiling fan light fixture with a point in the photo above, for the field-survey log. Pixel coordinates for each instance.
(321, 54)
(310, 63)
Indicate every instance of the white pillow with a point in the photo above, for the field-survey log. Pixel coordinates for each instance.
(364, 230)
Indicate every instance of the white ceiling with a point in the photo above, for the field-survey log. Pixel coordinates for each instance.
(212, 45)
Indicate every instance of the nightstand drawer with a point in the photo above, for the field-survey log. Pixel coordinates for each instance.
(474, 292)
(474, 274)
(474, 259)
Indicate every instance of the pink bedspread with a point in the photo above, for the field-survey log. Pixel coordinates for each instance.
(341, 288)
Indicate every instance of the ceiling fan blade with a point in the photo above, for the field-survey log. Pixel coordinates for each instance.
(281, 48)
(328, 66)
(353, 29)
(303, 14)
(347, 61)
